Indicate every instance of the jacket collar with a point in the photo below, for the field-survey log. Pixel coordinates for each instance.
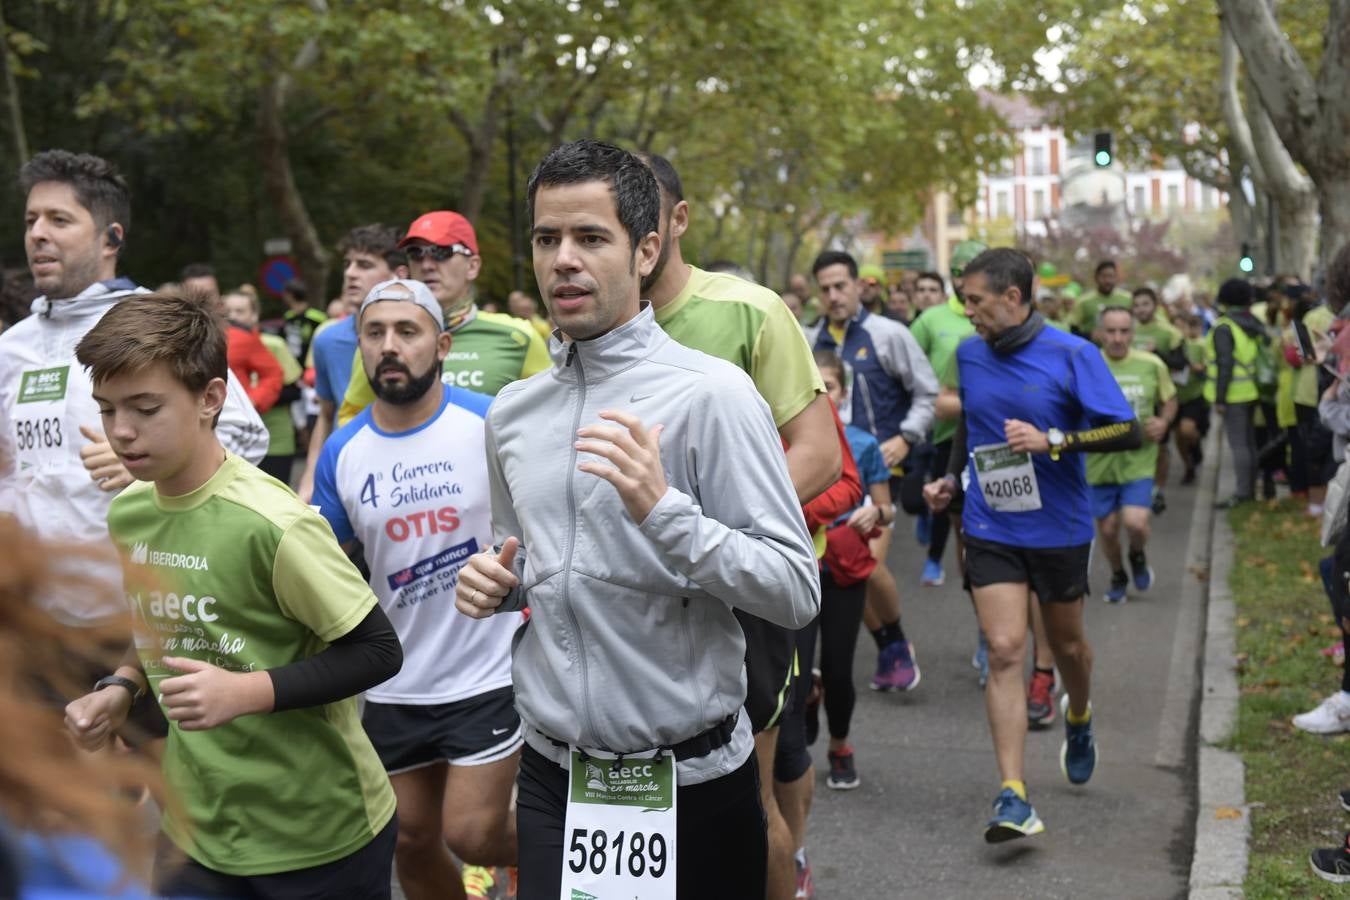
(97, 296)
(610, 353)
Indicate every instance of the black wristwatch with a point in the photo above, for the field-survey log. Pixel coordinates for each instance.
(136, 691)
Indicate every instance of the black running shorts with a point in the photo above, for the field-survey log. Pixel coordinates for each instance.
(1056, 574)
(769, 651)
(1197, 411)
(470, 732)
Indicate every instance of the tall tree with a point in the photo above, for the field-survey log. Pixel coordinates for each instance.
(1310, 113)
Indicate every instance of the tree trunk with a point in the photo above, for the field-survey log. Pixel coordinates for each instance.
(1333, 198)
(310, 254)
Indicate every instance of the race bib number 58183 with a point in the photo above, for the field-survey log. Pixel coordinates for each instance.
(38, 418)
(619, 839)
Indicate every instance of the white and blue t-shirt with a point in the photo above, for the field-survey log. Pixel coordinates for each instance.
(418, 500)
(1059, 381)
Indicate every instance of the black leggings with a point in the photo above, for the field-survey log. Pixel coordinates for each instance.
(841, 611)
(942, 522)
(722, 845)
(791, 759)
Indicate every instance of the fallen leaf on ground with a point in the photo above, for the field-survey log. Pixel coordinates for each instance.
(1227, 812)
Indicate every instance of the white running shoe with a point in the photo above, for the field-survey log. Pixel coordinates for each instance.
(1330, 717)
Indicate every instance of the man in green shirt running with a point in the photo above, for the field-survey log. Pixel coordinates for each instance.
(255, 634)
(1154, 335)
(488, 350)
(1122, 482)
(1087, 311)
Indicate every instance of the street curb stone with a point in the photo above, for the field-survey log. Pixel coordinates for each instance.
(1222, 819)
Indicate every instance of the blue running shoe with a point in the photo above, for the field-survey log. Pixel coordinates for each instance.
(1120, 585)
(1142, 571)
(923, 528)
(1078, 755)
(932, 573)
(1013, 818)
(980, 661)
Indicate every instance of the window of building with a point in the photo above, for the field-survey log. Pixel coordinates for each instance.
(1140, 204)
(1173, 197)
(1038, 204)
(1037, 160)
(1001, 204)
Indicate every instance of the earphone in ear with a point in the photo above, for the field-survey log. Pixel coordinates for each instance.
(114, 237)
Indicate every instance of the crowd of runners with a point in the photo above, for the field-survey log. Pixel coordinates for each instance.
(559, 593)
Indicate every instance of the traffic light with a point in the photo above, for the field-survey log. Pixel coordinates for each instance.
(1246, 263)
(1101, 149)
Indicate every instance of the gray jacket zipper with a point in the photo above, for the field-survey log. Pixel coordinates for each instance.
(571, 545)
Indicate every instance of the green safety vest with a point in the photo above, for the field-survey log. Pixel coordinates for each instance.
(1242, 387)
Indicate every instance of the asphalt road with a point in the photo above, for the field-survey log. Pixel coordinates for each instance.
(928, 778)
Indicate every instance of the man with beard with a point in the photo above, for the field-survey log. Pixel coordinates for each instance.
(491, 349)
(1088, 310)
(408, 479)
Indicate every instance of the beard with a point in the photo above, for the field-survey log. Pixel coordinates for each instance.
(412, 390)
(649, 280)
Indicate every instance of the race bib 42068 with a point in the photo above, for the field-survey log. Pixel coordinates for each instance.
(1007, 478)
(38, 418)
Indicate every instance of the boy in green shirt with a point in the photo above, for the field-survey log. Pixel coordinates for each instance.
(254, 633)
(1122, 482)
(1192, 410)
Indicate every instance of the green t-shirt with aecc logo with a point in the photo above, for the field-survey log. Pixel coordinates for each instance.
(1156, 337)
(241, 574)
(1144, 381)
(1192, 386)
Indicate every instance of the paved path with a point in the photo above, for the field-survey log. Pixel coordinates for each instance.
(914, 827)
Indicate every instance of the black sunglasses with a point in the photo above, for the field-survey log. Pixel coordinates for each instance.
(417, 252)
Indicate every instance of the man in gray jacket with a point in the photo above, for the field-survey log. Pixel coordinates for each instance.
(639, 493)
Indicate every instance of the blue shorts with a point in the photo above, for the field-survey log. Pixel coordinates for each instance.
(1107, 498)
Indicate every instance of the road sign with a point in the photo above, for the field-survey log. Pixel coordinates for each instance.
(895, 260)
(276, 272)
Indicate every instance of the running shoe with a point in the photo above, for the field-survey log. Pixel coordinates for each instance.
(478, 883)
(932, 574)
(1159, 504)
(1141, 571)
(1333, 863)
(1013, 818)
(923, 528)
(1344, 797)
(1041, 699)
(805, 887)
(897, 668)
(1331, 716)
(1120, 585)
(1078, 755)
(843, 776)
(980, 661)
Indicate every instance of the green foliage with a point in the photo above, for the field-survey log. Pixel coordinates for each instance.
(788, 121)
(1283, 620)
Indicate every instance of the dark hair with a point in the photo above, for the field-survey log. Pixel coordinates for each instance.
(932, 276)
(828, 359)
(186, 333)
(1104, 264)
(97, 184)
(829, 258)
(1235, 292)
(1003, 267)
(1106, 310)
(377, 240)
(296, 288)
(1146, 291)
(1338, 279)
(665, 175)
(196, 270)
(637, 198)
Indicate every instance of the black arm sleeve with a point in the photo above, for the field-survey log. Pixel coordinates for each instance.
(289, 394)
(1106, 438)
(1176, 359)
(956, 462)
(1223, 359)
(365, 656)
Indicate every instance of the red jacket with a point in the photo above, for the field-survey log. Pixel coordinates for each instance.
(248, 357)
(840, 497)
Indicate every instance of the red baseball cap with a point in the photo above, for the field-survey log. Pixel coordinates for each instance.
(444, 228)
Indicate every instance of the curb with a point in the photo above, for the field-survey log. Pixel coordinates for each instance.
(1222, 819)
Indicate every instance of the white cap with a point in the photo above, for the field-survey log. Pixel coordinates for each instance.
(421, 295)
